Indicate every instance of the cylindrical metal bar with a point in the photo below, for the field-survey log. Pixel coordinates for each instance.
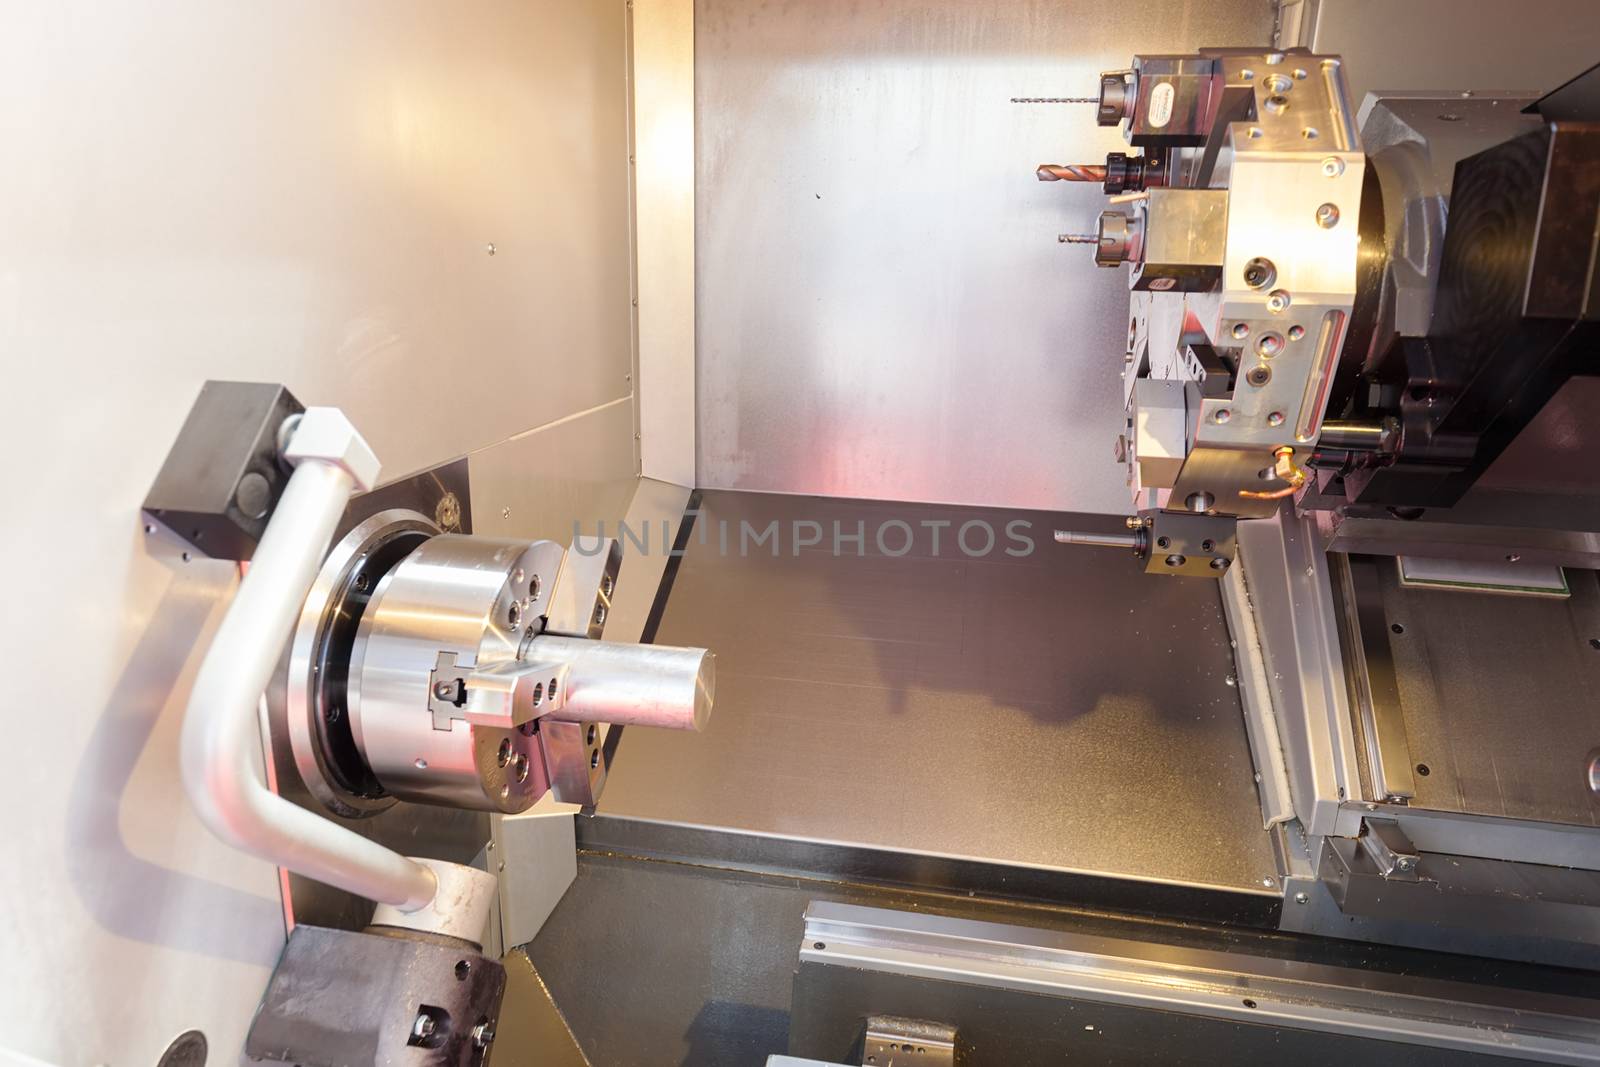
(1104, 540)
(1055, 99)
(636, 685)
(1077, 239)
(1355, 436)
(1071, 172)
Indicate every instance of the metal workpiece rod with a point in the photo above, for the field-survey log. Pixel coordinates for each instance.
(1356, 436)
(1104, 540)
(1071, 172)
(633, 685)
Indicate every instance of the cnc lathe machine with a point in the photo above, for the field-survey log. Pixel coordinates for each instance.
(729, 532)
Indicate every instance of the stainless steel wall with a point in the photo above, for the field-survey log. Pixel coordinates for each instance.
(286, 191)
(883, 309)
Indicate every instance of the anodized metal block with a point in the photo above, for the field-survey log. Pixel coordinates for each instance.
(339, 998)
(223, 476)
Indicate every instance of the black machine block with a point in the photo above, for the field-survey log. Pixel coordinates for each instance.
(339, 999)
(1517, 314)
(223, 477)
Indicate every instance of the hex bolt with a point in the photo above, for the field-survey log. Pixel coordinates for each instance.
(483, 1035)
(424, 1026)
(1302, 898)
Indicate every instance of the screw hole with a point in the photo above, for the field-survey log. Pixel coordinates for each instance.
(1422, 769)
(463, 968)
(1397, 628)
(818, 945)
(1594, 643)
(594, 760)
(1249, 1003)
(590, 736)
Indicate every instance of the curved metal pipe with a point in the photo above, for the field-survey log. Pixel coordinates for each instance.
(221, 735)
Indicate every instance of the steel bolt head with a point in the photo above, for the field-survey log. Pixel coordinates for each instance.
(483, 1035)
(1332, 167)
(424, 1026)
(443, 690)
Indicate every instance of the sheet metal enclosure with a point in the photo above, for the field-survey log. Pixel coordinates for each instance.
(1049, 708)
(265, 192)
(883, 309)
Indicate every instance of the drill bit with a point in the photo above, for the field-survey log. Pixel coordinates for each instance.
(1055, 99)
(1078, 238)
(1071, 172)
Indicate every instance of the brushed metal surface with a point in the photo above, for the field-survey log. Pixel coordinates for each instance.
(1469, 44)
(884, 311)
(663, 149)
(295, 192)
(1058, 710)
(1498, 696)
